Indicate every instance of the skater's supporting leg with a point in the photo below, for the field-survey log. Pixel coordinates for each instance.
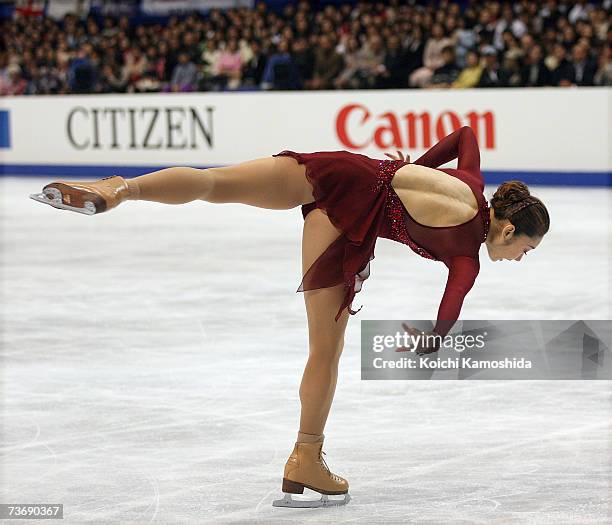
(306, 467)
(271, 182)
(304, 437)
(326, 336)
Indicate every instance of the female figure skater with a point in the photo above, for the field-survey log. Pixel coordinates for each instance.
(348, 200)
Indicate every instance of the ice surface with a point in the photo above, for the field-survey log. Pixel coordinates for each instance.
(152, 357)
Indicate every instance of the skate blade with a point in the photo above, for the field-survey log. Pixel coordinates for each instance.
(325, 501)
(53, 197)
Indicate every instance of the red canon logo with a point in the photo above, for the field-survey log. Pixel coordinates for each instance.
(357, 128)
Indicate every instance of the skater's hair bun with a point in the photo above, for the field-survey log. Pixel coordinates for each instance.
(527, 213)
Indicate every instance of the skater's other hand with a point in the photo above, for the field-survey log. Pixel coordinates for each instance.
(424, 345)
(400, 156)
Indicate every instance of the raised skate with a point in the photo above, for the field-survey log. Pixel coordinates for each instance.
(306, 468)
(84, 197)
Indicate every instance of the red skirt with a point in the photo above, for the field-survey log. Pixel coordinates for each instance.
(352, 189)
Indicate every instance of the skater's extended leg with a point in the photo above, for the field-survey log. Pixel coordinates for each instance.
(177, 185)
(270, 182)
(277, 183)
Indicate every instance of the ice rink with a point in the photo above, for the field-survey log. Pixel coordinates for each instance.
(151, 358)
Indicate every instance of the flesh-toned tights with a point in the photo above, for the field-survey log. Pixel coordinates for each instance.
(277, 183)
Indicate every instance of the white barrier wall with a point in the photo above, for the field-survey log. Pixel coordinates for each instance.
(548, 131)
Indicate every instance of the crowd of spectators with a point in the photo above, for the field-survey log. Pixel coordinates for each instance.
(364, 45)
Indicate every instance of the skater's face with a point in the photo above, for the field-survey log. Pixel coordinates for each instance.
(503, 244)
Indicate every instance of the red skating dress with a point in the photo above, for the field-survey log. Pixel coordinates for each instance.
(356, 193)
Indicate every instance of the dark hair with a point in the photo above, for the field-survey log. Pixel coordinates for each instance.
(527, 213)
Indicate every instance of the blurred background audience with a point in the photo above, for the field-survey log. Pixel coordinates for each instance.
(312, 45)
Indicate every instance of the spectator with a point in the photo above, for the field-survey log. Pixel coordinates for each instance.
(112, 80)
(560, 69)
(512, 70)
(172, 53)
(520, 25)
(395, 72)
(109, 28)
(432, 56)
(63, 55)
(184, 76)
(48, 81)
(534, 72)
(369, 63)
(470, 75)
(210, 63)
(162, 65)
(244, 44)
(153, 74)
(82, 74)
(484, 30)
(465, 40)
(503, 27)
(603, 75)
(281, 72)
(303, 57)
(492, 74)
(582, 68)
(15, 83)
(599, 22)
(229, 65)
(511, 47)
(135, 64)
(327, 65)
(580, 11)
(347, 77)
(415, 47)
(447, 73)
(568, 37)
(188, 46)
(253, 69)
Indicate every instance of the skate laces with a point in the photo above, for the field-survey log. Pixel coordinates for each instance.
(331, 474)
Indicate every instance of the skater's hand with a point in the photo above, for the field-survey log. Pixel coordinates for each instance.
(424, 345)
(400, 156)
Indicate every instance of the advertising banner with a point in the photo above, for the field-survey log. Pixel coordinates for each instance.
(547, 136)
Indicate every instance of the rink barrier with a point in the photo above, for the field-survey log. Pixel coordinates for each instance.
(544, 136)
(532, 178)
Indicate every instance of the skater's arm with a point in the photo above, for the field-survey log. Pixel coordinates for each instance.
(461, 276)
(460, 144)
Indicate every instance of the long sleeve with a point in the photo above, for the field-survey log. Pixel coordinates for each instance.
(460, 144)
(462, 273)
